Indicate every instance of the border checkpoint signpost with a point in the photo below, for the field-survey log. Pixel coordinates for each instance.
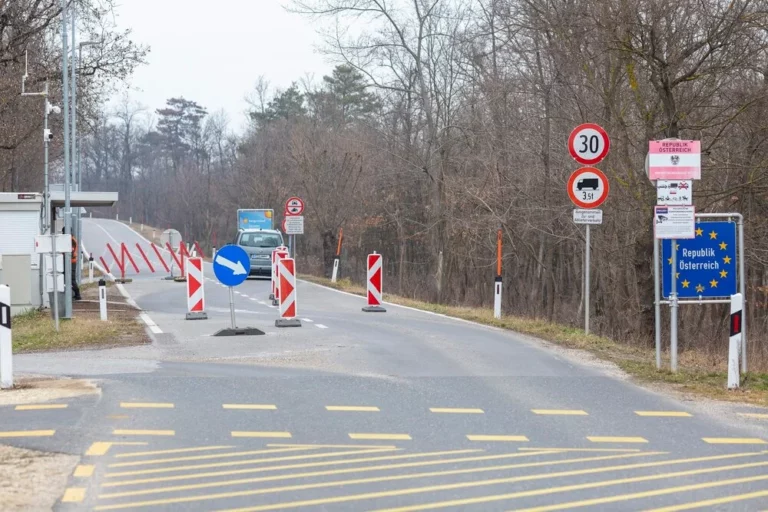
(231, 267)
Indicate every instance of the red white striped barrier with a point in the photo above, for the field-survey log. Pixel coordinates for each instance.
(734, 342)
(274, 270)
(195, 290)
(374, 280)
(279, 254)
(288, 308)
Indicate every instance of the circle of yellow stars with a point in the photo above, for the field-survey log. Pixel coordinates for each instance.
(723, 273)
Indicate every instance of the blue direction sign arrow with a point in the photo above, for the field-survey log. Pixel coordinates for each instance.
(231, 265)
(706, 264)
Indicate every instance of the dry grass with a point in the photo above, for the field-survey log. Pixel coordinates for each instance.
(696, 374)
(31, 480)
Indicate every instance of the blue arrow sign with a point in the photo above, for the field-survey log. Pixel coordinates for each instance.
(706, 264)
(231, 265)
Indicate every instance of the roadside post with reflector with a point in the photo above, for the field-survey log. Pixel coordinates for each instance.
(734, 343)
(375, 274)
(6, 346)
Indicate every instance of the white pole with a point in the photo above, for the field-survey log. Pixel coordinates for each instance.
(497, 299)
(335, 273)
(657, 303)
(586, 283)
(103, 300)
(6, 345)
(90, 269)
(117, 216)
(734, 343)
(673, 305)
(130, 220)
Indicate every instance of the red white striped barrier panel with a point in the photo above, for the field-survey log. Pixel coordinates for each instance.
(151, 259)
(375, 273)
(278, 255)
(288, 308)
(195, 290)
(274, 270)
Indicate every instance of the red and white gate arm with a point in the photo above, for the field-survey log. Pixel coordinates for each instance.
(374, 281)
(195, 289)
(734, 343)
(287, 273)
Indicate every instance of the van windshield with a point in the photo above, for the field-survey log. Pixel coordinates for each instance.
(263, 240)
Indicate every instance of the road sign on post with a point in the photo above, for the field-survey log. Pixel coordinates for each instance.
(294, 225)
(288, 307)
(374, 280)
(674, 192)
(674, 222)
(674, 160)
(294, 206)
(588, 144)
(231, 267)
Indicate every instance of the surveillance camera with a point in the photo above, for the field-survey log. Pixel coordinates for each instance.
(47, 135)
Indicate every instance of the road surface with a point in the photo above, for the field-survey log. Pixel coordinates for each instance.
(402, 410)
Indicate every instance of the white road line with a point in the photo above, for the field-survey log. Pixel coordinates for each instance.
(253, 299)
(261, 302)
(321, 326)
(306, 320)
(150, 323)
(244, 295)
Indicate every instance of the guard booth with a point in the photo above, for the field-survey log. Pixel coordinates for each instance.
(20, 221)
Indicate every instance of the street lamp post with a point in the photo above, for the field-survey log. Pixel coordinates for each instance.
(67, 164)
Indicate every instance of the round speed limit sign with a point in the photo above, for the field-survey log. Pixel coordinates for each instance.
(588, 144)
(588, 187)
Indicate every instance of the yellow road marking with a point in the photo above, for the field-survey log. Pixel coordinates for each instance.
(418, 490)
(27, 433)
(83, 470)
(655, 492)
(102, 447)
(262, 434)
(616, 439)
(243, 462)
(479, 437)
(753, 415)
(150, 462)
(715, 501)
(733, 440)
(451, 410)
(145, 405)
(118, 416)
(560, 412)
(258, 407)
(296, 466)
(177, 450)
(371, 468)
(381, 437)
(358, 446)
(73, 495)
(40, 407)
(351, 408)
(664, 414)
(615, 450)
(523, 494)
(129, 432)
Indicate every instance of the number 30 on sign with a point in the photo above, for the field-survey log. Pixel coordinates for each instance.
(588, 144)
(588, 187)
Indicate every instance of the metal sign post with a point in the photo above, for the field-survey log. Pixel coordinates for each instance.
(673, 311)
(232, 266)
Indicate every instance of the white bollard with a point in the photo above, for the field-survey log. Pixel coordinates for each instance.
(6, 345)
(103, 300)
(335, 273)
(130, 220)
(213, 253)
(497, 299)
(90, 269)
(734, 344)
(142, 227)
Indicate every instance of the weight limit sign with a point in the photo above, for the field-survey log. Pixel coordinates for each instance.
(588, 187)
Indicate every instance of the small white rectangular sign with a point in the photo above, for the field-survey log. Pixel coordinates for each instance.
(588, 216)
(59, 284)
(43, 244)
(675, 222)
(674, 192)
(294, 225)
(49, 263)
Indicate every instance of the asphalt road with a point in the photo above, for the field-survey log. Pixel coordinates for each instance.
(402, 410)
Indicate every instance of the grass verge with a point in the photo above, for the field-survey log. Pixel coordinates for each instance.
(696, 376)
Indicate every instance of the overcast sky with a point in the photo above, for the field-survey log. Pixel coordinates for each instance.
(213, 51)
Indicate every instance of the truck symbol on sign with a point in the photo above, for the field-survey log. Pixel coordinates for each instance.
(592, 183)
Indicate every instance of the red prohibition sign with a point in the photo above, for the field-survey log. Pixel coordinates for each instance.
(589, 143)
(588, 187)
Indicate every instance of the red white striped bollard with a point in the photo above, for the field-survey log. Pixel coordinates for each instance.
(734, 342)
(279, 255)
(195, 290)
(274, 270)
(287, 289)
(375, 274)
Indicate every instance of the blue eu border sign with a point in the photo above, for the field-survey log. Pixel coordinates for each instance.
(706, 264)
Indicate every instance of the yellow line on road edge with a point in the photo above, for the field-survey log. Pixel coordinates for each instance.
(358, 446)
(177, 450)
(387, 478)
(149, 462)
(664, 414)
(479, 437)
(449, 410)
(28, 433)
(649, 494)
(753, 415)
(714, 501)
(83, 470)
(381, 437)
(616, 439)
(258, 407)
(560, 412)
(733, 440)
(351, 408)
(145, 405)
(73, 495)
(124, 432)
(262, 434)
(40, 407)
(614, 450)
(102, 447)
